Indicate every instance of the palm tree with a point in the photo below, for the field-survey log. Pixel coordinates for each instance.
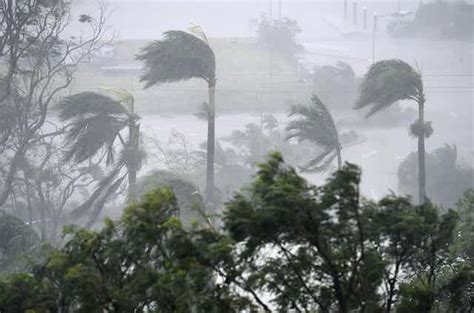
(182, 56)
(95, 125)
(389, 81)
(315, 124)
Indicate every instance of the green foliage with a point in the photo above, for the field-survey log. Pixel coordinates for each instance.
(465, 231)
(315, 124)
(285, 245)
(189, 200)
(146, 262)
(179, 56)
(386, 82)
(17, 241)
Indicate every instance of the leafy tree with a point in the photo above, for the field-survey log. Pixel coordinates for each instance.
(187, 195)
(38, 62)
(316, 124)
(335, 85)
(447, 178)
(146, 262)
(389, 81)
(16, 240)
(415, 241)
(279, 36)
(326, 248)
(182, 56)
(285, 246)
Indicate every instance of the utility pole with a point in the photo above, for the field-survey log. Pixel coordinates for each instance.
(365, 18)
(354, 12)
(270, 9)
(279, 11)
(345, 10)
(374, 30)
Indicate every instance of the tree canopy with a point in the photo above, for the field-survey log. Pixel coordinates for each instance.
(286, 245)
(179, 56)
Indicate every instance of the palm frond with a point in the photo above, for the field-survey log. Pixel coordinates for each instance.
(313, 123)
(320, 163)
(123, 97)
(88, 103)
(98, 193)
(204, 112)
(386, 82)
(418, 129)
(179, 56)
(101, 201)
(95, 122)
(198, 32)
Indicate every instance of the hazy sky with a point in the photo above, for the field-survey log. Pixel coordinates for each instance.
(148, 19)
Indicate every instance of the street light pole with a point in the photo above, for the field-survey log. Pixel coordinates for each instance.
(365, 18)
(279, 11)
(374, 30)
(270, 11)
(354, 12)
(345, 10)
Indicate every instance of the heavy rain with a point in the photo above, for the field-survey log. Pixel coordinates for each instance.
(236, 156)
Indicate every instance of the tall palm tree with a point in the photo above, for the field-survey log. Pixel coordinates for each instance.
(389, 81)
(315, 124)
(95, 125)
(181, 56)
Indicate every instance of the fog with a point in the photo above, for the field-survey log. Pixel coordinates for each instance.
(221, 121)
(326, 38)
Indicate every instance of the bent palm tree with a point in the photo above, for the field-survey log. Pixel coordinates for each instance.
(316, 125)
(389, 81)
(95, 124)
(182, 56)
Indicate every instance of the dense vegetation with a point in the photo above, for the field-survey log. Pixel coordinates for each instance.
(224, 226)
(284, 245)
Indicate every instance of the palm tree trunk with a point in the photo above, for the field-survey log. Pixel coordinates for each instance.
(339, 158)
(421, 152)
(134, 130)
(210, 143)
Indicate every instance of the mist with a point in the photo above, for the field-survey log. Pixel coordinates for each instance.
(271, 151)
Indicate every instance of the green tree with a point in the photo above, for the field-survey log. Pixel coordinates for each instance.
(187, 194)
(145, 262)
(389, 81)
(286, 245)
(182, 56)
(321, 256)
(326, 248)
(17, 240)
(38, 59)
(316, 124)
